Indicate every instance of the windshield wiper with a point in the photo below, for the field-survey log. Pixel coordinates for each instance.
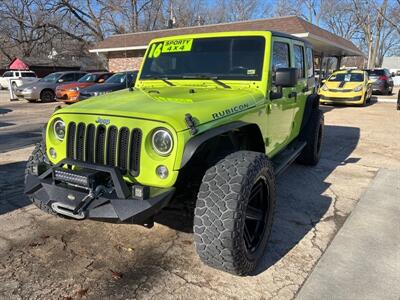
(209, 77)
(165, 79)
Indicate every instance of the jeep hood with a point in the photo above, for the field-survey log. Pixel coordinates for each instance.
(170, 104)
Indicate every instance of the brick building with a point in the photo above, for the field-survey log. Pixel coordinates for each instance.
(126, 51)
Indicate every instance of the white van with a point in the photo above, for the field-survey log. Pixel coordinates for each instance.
(20, 78)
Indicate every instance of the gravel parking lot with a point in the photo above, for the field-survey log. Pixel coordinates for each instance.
(46, 257)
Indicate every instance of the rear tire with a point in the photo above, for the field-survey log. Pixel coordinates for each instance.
(234, 212)
(36, 165)
(312, 134)
(47, 96)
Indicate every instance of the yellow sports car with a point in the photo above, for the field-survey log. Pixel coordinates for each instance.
(347, 87)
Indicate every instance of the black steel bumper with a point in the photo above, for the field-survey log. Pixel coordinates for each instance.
(116, 203)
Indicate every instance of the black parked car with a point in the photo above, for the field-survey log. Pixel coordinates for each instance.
(118, 81)
(382, 81)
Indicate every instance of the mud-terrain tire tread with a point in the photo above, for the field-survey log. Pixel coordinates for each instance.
(310, 155)
(38, 156)
(220, 211)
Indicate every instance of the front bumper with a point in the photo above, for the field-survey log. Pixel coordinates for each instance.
(29, 95)
(341, 99)
(115, 204)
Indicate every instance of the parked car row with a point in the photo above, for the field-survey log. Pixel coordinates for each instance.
(73, 86)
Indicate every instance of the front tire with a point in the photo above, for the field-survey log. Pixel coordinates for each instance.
(234, 212)
(312, 134)
(37, 164)
(47, 96)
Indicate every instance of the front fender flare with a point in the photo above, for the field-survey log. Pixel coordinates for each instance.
(194, 143)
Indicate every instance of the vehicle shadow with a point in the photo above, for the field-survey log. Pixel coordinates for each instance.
(4, 111)
(12, 187)
(329, 107)
(16, 140)
(301, 202)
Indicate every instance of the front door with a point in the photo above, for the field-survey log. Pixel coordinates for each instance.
(281, 110)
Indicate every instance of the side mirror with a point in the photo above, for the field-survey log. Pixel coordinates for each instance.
(370, 81)
(286, 77)
(393, 74)
(101, 80)
(323, 81)
(60, 80)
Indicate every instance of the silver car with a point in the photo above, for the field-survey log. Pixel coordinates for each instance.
(45, 88)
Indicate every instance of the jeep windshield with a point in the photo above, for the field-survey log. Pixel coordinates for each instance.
(234, 58)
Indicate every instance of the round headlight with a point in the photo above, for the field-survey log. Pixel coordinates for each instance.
(162, 141)
(59, 129)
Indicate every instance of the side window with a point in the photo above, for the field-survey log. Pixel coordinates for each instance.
(280, 55)
(79, 76)
(8, 74)
(299, 60)
(68, 77)
(28, 74)
(16, 74)
(310, 63)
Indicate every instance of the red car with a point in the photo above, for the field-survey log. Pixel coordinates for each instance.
(69, 93)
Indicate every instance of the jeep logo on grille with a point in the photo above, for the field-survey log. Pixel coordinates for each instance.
(103, 121)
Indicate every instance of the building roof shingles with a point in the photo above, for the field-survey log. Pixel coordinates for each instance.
(289, 25)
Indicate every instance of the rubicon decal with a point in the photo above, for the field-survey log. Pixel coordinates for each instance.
(231, 111)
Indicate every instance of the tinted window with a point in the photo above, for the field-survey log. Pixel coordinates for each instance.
(354, 77)
(226, 58)
(117, 78)
(88, 78)
(79, 76)
(280, 56)
(376, 72)
(8, 74)
(28, 74)
(310, 62)
(17, 74)
(299, 60)
(105, 76)
(68, 77)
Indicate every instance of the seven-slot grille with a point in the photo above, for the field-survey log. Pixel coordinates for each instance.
(119, 147)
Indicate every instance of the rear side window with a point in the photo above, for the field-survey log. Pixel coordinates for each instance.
(68, 77)
(299, 60)
(8, 74)
(28, 74)
(310, 63)
(280, 55)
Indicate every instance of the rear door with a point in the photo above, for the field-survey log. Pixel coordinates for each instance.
(280, 117)
(304, 86)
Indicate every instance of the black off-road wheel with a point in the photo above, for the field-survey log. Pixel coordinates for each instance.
(234, 212)
(312, 134)
(47, 96)
(36, 165)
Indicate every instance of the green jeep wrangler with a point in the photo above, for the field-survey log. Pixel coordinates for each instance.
(229, 111)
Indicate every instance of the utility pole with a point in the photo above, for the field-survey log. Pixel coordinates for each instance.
(172, 19)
